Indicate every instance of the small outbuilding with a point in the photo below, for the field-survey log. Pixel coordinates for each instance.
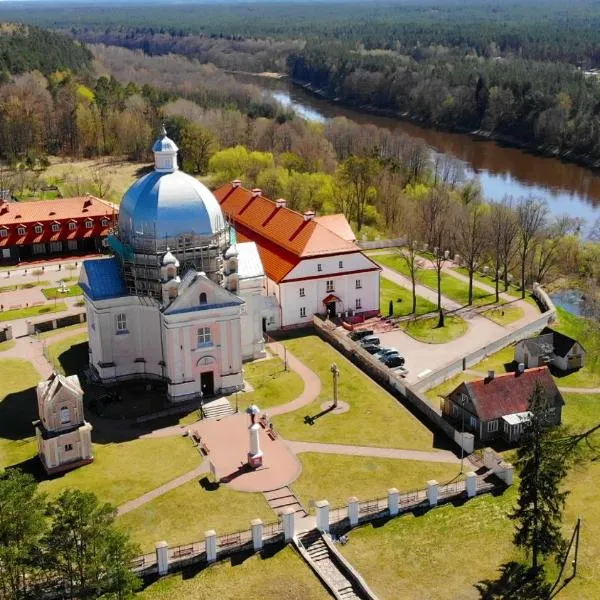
(497, 406)
(64, 437)
(550, 348)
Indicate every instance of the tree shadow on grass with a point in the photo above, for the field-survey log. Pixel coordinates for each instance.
(17, 412)
(515, 582)
(75, 360)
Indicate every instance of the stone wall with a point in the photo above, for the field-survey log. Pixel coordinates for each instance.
(56, 323)
(376, 244)
(6, 333)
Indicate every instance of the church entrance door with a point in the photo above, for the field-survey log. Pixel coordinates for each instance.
(207, 384)
(331, 310)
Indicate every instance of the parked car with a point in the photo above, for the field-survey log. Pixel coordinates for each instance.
(395, 360)
(370, 340)
(371, 348)
(400, 370)
(386, 352)
(359, 335)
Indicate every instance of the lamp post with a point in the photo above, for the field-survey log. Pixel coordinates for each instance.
(335, 372)
(462, 434)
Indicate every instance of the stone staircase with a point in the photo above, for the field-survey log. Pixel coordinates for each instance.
(217, 408)
(282, 498)
(330, 568)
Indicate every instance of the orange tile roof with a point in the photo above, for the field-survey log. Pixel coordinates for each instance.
(282, 235)
(339, 225)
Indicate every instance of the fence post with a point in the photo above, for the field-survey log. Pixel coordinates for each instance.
(393, 501)
(433, 489)
(210, 542)
(322, 515)
(257, 534)
(471, 484)
(353, 511)
(289, 528)
(162, 557)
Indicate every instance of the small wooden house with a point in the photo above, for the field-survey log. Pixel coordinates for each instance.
(550, 348)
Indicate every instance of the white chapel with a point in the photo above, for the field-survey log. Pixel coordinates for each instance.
(180, 301)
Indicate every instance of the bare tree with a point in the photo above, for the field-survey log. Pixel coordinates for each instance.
(471, 237)
(411, 227)
(435, 217)
(531, 217)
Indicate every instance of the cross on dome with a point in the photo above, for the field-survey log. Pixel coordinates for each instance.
(165, 153)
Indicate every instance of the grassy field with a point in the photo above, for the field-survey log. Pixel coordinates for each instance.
(272, 384)
(120, 174)
(185, 513)
(452, 287)
(375, 418)
(32, 311)
(126, 470)
(7, 345)
(402, 299)
(426, 330)
(581, 411)
(336, 477)
(54, 292)
(21, 286)
(504, 315)
(70, 355)
(282, 575)
(513, 289)
(18, 408)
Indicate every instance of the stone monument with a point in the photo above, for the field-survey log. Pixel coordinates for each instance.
(255, 455)
(64, 437)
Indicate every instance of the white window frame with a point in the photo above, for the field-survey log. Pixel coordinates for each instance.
(303, 312)
(68, 447)
(121, 320)
(204, 337)
(319, 267)
(55, 226)
(72, 226)
(105, 222)
(358, 304)
(492, 426)
(89, 224)
(330, 285)
(473, 422)
(21, 230)
(3, 232)
(65, 415)
(358, 284)
(39, 229)
(302, 292)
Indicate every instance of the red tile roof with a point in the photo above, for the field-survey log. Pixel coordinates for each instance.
(46, 212)
(283, 236)
(509, 393)
(339, 225)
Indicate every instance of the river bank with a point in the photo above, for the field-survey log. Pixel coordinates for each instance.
(567, 156)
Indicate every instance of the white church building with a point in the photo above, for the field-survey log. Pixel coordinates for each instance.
(180, 301)
(186, 298)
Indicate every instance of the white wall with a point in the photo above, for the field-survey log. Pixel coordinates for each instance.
(309, 267)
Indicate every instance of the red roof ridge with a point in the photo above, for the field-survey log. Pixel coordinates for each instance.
(516, 373)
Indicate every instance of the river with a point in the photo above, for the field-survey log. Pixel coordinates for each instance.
(502, 170)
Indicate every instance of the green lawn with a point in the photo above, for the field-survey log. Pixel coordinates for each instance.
(452, 287)
(447, 386)
(7, 345)
(513, 289)
(504, 315)
(54, 292)
(375, 417)
(501, 362)
(52, 332)
(32, 311)
(70, 356)
(185, 513)
(272, 385)
(21, 286)
(581, 411)
(427, 330)
(402, 299)
(126, 470)
(18, 408)
(282, 575)
(336, 477)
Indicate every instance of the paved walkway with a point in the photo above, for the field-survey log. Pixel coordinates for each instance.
(163, 489)
(443, 456)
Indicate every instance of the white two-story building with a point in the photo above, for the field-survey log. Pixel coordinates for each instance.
(313, 264)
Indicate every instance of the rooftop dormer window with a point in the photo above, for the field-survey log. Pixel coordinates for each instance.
(39, 229)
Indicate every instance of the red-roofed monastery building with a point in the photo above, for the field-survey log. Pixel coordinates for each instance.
(50, 227)
(313, 264)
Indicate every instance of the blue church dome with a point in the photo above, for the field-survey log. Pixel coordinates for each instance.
(167, 204)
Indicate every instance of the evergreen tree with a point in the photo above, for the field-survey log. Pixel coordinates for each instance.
(542, 470)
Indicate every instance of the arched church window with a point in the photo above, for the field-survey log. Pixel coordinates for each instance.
(203, 299)
(65, 415)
